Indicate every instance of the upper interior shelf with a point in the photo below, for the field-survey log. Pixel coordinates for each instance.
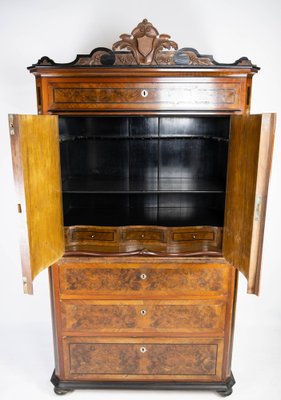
(146, 185)
(145, 47)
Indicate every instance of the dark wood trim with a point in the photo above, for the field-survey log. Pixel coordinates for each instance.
(104, 57)
(224, 388)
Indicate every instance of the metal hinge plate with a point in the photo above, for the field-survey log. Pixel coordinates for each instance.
(11, 124)
(258, 204)
(24, 281)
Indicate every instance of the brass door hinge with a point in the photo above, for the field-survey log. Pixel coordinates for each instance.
(258, 204)
(11, 124)
(24, 281)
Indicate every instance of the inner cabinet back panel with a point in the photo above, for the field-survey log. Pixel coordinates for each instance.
(144, 170)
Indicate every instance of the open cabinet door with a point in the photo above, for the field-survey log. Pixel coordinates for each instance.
(249, 162)
(36, 165)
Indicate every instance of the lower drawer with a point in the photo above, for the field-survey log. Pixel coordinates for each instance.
(149, 359)
(171, 316)
(95, 279)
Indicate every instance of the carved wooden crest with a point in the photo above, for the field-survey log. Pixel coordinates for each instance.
(145, 42)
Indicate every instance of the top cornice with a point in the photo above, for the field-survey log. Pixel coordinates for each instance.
(144, 47)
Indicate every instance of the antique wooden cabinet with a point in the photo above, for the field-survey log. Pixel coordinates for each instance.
(143, 184)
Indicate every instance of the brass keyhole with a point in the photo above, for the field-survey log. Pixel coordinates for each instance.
(144, 93)
(143, 276)
(143, 312)
(143, 349)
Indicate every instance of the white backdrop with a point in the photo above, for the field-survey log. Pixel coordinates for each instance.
(30, 29)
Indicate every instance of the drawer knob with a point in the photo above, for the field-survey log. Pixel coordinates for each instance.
(144, 93)
(143, 349)
(142, 235)
(93, 236)
(193, 236)
(143, 312)
(143, 276)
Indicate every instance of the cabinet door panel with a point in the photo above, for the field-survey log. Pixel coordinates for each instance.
(36, 164)
(250, 153)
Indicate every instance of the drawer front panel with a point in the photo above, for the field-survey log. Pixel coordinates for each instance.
(142, 280)
(143, 235)
(95, 235)
(192, 94)
(191, 236)
(184, 358)
(95, 317)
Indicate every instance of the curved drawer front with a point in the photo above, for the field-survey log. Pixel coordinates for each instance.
(91, 358)
(142, 280)
(178, 316)
(190, 94)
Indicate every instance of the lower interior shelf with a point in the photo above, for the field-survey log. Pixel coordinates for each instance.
(161, 216)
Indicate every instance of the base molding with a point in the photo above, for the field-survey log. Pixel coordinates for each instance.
(62, 387)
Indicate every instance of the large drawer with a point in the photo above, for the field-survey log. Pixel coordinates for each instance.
(139, 317)
(142, 280)
(126, 358)
(221, 94)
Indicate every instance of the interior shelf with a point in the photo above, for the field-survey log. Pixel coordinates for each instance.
(147, 185)
(66, 138)
(160, 216)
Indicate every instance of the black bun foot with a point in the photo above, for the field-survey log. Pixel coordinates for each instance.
(225, 393)
(61, 392)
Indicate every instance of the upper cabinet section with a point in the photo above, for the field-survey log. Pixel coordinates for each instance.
(143, 72)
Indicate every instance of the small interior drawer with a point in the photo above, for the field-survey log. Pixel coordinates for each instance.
(144, 235)
(190, 236)
(106, 235)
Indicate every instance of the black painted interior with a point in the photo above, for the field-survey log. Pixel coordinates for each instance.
(166, 170)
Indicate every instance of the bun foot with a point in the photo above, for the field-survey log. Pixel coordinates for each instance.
(61, 392)
(225, 393)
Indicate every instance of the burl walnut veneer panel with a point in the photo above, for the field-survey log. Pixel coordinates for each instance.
(96, 317)
(191, 93)
(139, 280)
(92, 358)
